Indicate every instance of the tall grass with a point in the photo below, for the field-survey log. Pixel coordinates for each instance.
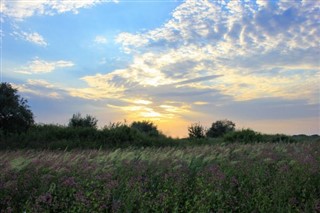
(218, 178)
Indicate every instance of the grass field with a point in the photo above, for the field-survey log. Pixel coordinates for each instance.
(266, 177)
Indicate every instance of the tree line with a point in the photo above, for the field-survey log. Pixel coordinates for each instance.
(18, 129)
(16, 116)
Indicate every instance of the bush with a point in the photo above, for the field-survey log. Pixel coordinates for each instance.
(196, 130)
(15, 115)
(220, 128)
(243, 136)
(119, 134)
(279, 138)
(78, 121)
(146, 127)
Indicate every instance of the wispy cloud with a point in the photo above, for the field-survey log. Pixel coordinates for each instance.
(21, 9)
(38, 66)
(41, 88)
(33, 37)
(99, 39)
(241, 42)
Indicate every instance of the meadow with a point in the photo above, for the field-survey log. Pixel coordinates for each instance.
(224, 177)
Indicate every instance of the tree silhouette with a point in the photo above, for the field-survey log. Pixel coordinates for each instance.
(219, 128)
(196, 131)
(15, 115)
(78, 121)
(146, 127)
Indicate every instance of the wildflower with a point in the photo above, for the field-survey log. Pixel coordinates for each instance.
(234, 181)
(218, 174)
(116, 205)
(45, 198)
(69, 182)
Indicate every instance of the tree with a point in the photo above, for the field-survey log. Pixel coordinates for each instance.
(78, 121)
(146, 127)
(15, 115)
(196, 130)
(219, 128)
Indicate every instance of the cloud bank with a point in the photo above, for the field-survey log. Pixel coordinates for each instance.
(213, 57)
(258, 49)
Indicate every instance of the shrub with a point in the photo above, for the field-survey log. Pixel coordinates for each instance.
(146, 127)
(119, 134)
(282, 138)
(78, 121)
(219, 128)
(15, 115)
(196, 130)
(243, 136)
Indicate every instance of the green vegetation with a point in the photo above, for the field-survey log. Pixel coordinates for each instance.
(18, 131)
(78, 121)
(264, 177)
(196, 131)
(121, 135)
(220, 128)
(146, 127)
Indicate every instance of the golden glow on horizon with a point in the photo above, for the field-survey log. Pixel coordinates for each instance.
(167, 116)
(144, 102)
(200, 103)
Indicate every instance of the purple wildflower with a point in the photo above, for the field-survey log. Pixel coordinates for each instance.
(116, 205)
(234, 181)
(45, 198)
(69, 181)
(216, 172)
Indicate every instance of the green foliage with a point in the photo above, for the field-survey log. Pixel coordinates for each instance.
(78, 121)
(281, 138)
(243, 136)
(196, 130)
(120, 134)
(220, 128)
(304, 138)
(15, 115)
(115, 135)
(146, 127)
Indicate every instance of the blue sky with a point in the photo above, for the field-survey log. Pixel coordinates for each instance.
(254, 62)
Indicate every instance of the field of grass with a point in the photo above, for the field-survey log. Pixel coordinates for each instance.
(266, 177)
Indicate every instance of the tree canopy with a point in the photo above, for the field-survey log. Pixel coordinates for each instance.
(146, 127)
(78, 121)
(196, 130)
(15, 115)
(219, 128)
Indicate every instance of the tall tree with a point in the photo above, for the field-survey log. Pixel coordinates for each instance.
(15, 113)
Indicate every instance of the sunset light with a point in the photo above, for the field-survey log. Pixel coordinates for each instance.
(175, 62)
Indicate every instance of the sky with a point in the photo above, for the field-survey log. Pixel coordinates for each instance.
(173, 62)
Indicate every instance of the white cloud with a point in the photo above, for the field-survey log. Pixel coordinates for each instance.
(34, 37)
(100, 39)
(42, 88)
(128, 40)
(21, 9)
(234, 40)
(211, 54)
(38, 66)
